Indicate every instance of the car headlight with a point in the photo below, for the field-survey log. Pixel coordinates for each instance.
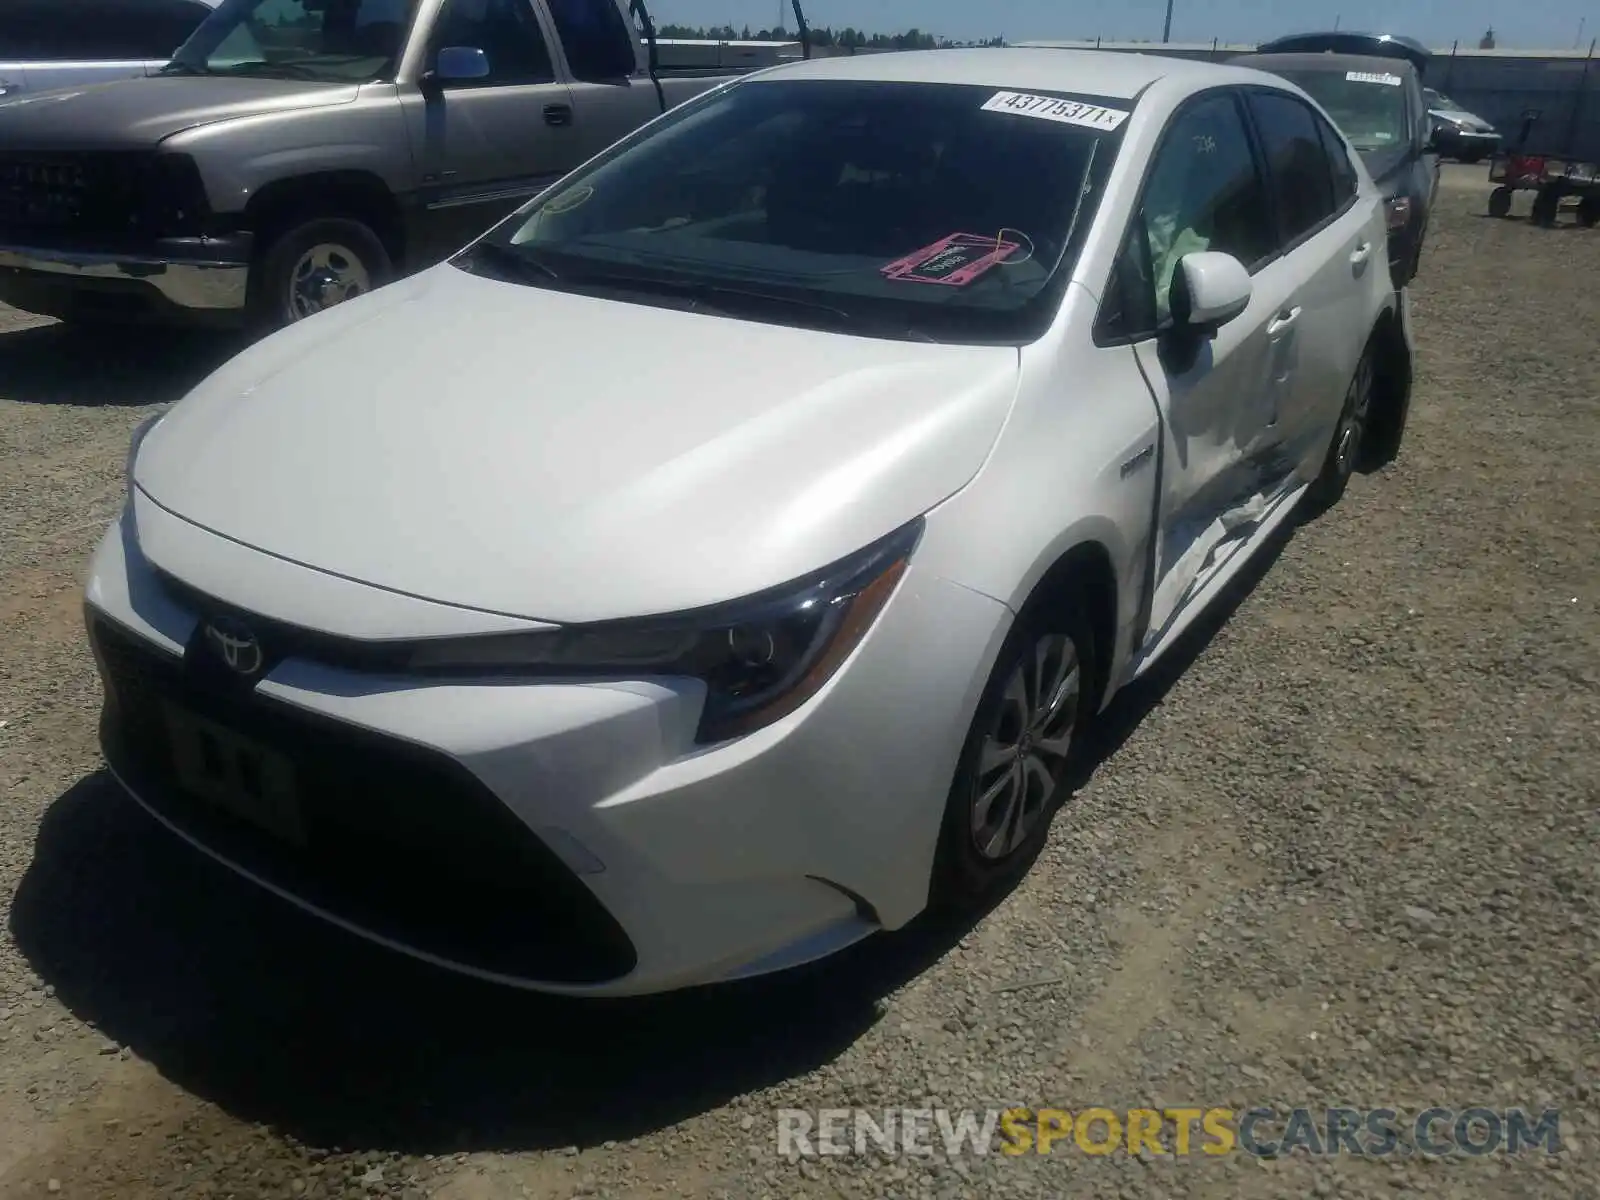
(760, 658)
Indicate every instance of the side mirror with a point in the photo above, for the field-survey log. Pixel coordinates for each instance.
(459, 64)
(1209, 289)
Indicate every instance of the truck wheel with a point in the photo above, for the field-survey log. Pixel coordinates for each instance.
(314, 265)
(1589, 212)
(1500, 202)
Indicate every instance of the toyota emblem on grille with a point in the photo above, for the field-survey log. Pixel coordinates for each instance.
(235, 644)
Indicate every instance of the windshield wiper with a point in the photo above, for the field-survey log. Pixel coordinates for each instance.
(270, 70)
(184, 68)
(507, 263)
(695, 289)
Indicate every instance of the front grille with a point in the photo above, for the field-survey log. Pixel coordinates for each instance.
(105, 194)
(399, 840)
(282, 640)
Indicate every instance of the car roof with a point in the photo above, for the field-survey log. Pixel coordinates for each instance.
(1108, 73)
(1325, 62)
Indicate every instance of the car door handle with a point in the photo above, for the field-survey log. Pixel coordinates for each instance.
(1283, 321)
(1360, 254)
(558, 114)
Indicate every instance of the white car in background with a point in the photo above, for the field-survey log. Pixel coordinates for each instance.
(1460, 133)
(49, 44)
(721, 559)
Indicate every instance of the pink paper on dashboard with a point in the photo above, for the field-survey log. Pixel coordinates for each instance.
(953, 261)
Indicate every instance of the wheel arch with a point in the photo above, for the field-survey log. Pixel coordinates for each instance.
(1084, 571)
(355, 194)
(1392, 383)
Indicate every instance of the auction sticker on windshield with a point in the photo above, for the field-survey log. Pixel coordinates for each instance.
(1374, 77)
(1054, 108)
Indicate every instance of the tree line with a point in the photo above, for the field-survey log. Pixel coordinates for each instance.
(845, 39)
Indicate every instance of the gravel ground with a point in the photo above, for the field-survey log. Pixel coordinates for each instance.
(1342, 851)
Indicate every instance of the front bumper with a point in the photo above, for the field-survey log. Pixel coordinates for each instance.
(179, 279)
(567, 837)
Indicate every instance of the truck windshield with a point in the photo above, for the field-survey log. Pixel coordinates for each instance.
(1369, 107)
(331, 41)
(945, 212)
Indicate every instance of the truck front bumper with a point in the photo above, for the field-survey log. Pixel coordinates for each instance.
(185, 280)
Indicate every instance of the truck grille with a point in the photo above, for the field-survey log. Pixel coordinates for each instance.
(71, 193)
(397, 839)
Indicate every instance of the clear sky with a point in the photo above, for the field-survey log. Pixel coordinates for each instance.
(1539, 24)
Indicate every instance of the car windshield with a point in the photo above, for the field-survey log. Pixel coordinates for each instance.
(935, 211)
(1369, 107)
(329, 41)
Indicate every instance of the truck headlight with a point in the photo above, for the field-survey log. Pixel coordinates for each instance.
(760, 658)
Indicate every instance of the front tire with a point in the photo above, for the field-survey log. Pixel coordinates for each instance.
(1025, 735)
(313, 265)
(1500, 203)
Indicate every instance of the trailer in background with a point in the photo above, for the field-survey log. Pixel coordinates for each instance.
(1556, 165)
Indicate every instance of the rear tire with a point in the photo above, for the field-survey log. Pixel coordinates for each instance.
(312, 265)
(1589, 212)
(1025, 735)
(1500, 203)
(1345, 452)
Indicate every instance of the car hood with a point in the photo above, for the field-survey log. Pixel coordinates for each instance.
(570, 458)
(1384, 165)
(138, 113)
(1458, 116)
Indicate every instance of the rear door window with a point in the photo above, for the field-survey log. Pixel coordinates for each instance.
(1346, 183)
(1298, 169)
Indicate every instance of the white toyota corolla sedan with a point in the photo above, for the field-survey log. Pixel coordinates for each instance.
(720, 559)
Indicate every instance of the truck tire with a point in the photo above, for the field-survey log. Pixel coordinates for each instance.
(315, 264)
(1500, 202)
(1589, 212)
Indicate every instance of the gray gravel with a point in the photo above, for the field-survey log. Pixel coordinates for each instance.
(1343, 851)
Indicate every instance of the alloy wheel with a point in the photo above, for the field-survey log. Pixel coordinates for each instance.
(1357, 409)
(1022, 758)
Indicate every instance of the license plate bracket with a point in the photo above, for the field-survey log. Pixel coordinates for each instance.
(235, 774)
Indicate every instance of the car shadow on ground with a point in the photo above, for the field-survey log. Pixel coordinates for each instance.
(61, 364)
(281, 1020)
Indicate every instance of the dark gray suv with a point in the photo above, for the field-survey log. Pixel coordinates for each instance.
(1377, 103)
